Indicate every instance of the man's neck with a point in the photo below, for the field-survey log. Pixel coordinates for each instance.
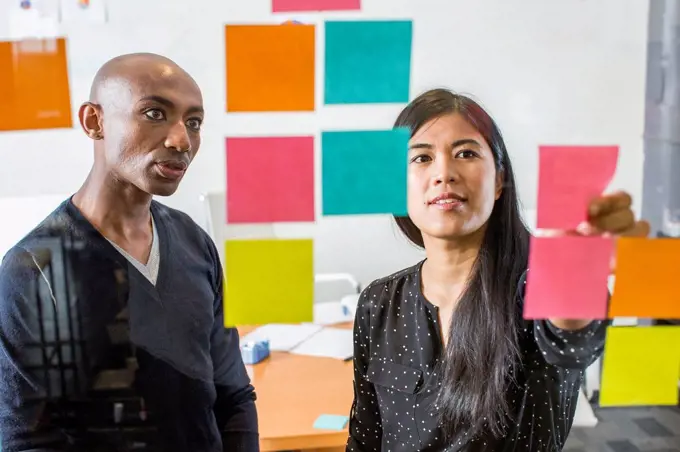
(116, 209)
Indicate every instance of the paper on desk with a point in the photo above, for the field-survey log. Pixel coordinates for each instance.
(334, 343)
(282, 337)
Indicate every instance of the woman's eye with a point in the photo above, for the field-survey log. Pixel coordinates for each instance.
(466, 154)
(420, 158)
(155, 114)
(194, 124)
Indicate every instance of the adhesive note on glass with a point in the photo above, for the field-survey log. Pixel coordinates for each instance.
(279, 6)
(364, 172)
(84, 11)
(646, 283)
(26, 101)
(567, 277)
(268, 281)
(270, 179)
(367, 62)
(641, 366)
(270, 67)
(569, 178)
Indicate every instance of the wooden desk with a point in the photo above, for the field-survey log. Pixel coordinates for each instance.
(292, 391)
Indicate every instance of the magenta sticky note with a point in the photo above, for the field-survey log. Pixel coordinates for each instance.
(279, 6)
(568, 277)
(569, 178)
(270, 179)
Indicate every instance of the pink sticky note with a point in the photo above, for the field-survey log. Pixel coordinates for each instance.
(568, 277)
(270, 179)
(569, 178)
(279, 6)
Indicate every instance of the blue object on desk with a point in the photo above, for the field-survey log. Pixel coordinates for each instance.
(331, 422)
(254, 352)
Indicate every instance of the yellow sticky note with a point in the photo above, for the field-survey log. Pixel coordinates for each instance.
(268, 281)
(641, 366)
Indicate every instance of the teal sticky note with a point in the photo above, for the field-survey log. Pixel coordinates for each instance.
(364, 172)
(367, 61)
(331, 422)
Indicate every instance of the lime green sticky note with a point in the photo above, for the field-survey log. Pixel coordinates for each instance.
(268, 281)
(641, 366)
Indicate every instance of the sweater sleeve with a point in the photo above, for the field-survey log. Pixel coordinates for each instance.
(571, 349)
(235, 409)
(22, 389)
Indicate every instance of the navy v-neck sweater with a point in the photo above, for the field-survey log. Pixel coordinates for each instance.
(155, 361)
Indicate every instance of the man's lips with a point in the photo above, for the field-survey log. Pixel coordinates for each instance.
(172, 169)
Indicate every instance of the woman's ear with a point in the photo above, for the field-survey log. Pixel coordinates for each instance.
(90, 120)
(499, 184)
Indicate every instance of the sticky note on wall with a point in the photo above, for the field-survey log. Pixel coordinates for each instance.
(641, 366)
(27, 102)
(268, 281)
(569, 178)
(270, 67)
(270, 179)
(567, 277)
(314, 5)
(364, 172)
(646, 282)
(367, 62)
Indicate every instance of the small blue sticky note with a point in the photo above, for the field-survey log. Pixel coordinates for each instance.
(331, 422)
(367, 62)
(364, 172)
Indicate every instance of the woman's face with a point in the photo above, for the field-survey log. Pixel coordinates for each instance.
(452, 180)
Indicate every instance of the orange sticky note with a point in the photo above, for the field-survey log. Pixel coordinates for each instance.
(270, 67)
(646, 279)
(641, 366)
(34, 86)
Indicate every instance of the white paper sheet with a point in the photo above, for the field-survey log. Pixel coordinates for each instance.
(282, 337)
(40, 19)
(334, 343)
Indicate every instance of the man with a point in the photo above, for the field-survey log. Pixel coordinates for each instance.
(129, 261)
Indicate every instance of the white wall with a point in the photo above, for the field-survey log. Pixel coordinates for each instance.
(550, 72)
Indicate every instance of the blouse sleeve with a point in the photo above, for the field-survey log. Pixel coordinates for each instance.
(572, 349)
(365, 427)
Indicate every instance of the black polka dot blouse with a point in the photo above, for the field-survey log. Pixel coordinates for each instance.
(397, 346)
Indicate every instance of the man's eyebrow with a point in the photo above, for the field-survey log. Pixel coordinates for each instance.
(170, 104)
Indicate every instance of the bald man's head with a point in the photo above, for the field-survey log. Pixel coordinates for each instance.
(145, 114)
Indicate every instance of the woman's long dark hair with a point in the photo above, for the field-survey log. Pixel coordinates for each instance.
(482, 349)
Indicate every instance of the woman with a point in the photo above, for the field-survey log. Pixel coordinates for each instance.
(443, 359)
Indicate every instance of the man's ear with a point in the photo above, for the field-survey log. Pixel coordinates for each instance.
(89, 115)
(499, 184)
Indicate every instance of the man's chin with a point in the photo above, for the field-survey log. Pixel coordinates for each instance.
(164, 189)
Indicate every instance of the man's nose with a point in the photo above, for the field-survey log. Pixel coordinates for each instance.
(178, 138)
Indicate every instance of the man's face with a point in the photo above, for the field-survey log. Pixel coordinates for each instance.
(150, 122)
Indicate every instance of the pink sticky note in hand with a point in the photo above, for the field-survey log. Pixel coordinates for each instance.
(279, 6)
(270, 179)
(569, 178)
(568, 277)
